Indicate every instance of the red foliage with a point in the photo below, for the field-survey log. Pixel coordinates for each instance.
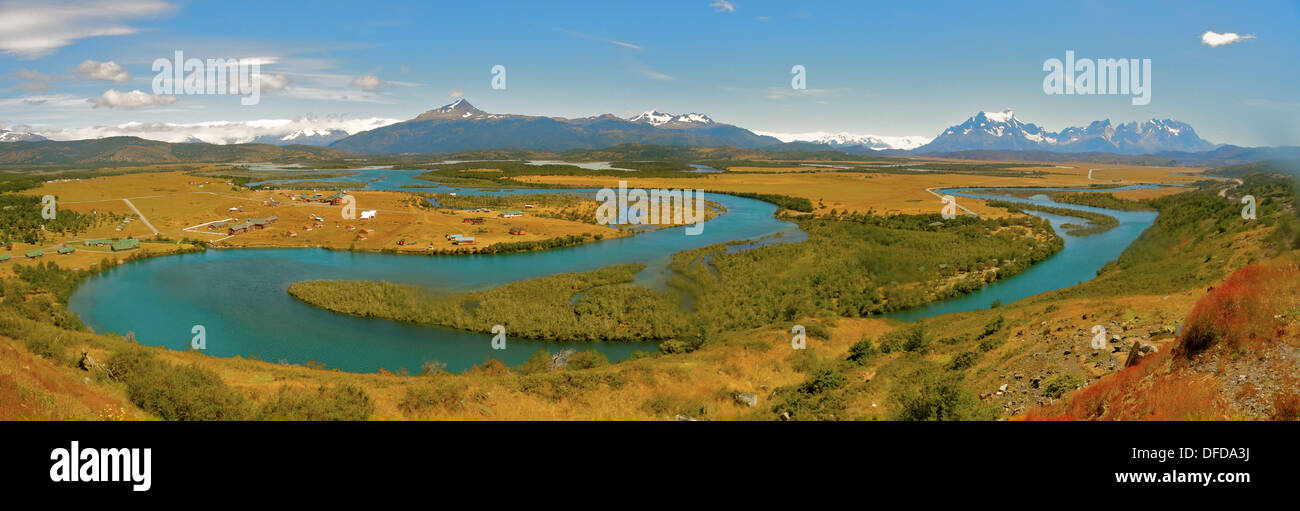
(1239, 312)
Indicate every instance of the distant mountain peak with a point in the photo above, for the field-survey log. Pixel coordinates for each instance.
(19, 136)
(1002, 131)
(459, 109)
(667, 120)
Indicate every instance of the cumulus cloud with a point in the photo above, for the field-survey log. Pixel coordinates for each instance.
(222, 132)
(1215, 39)
(32, 29)
(134, 99)
(367, 82)
(722, 6)
(275, 82)
(103, 71)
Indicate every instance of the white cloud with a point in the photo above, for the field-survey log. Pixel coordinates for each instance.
(32, 29)
(456, 93)
(367, 82)
(221, 132)
(722, 6)
(103, 71)
(1215, 39)
(274, 82)
(599, 38)
(134, 99)
(31, 80)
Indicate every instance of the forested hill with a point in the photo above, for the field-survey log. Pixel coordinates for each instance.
(124, 150)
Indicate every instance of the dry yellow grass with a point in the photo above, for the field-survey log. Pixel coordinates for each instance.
(881, 193)
(177, 204)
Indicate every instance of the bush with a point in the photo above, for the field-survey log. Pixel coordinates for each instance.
(1057, 385)
(672, 405)
(909, 338)
(673, 347)
(184, 393)
(587, 360)
(939, 399)
(336, 403)
(963, 361)
(419, 397)
(862, 351)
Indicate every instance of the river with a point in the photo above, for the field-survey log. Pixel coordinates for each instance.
(239, 296)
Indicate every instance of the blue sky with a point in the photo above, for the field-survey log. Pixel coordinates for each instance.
(883, 68)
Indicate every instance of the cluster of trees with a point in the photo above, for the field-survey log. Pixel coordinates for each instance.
(594, 305)
(21, 220)
(858, 265)
(1097, 222)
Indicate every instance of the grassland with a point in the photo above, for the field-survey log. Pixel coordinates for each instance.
(855, 368)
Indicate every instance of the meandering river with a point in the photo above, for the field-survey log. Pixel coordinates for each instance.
(239, 296)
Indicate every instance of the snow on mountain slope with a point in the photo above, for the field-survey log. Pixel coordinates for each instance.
(844, 139)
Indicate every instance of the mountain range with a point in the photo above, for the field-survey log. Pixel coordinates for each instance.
(19, 136)
(1002, 131)
(460, 126)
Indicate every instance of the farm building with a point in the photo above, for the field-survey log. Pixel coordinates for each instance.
(261, 223)
(219, 225)
(475, 220)
(240, 227)
(517, 231)
(455, 236)
(126, 245)
(463, 240)
(367, 214)
(67, 249)
(334, 200)
(35, 253)
(5, 257)
(511, 214)
(98, 242)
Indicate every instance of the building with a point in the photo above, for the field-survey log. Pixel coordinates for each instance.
(5, 257)
(463, 240)
(475, 221)
(511, 214)
(240, 228)
(219, 225)
(35, 253)
(96, 243)
(127, 244)
(518, 231)
(66, 249)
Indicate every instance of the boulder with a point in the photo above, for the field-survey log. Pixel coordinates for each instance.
(747, 399)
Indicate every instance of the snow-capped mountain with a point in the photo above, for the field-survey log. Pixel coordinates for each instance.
(844, 140)
(19, 136)
(461, 127)
(305, 136)
(1002, 131)
(666, 120)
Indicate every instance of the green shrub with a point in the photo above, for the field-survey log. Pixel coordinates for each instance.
(1057, 385)
(862, 351)
(963, 361)
(587, 360)
(185, 393)
(335, 403)
(940, 398)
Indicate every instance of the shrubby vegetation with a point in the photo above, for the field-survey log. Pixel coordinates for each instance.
(1098, 222)
(595, 305)
(858, 265)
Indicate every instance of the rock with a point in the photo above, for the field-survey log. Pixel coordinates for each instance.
(785, 416)
(1147, 348)
(1033, 382)
(1003, 388)
(681, 417)
(747, 399)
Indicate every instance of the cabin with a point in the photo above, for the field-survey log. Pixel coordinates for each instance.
(529, 206)
(401, 242)
(240, 228)
(455, 236)
(95, 243)
(518, 231)
(66, 249)
(128, 244)
(35, 253)
(291, 234)
(511, 214)
(219, 225)
(261, 223)
(475, 221)
(464, 240)
(5, 257)
(334, 200)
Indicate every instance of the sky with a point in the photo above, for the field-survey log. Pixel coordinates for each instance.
(880, 68)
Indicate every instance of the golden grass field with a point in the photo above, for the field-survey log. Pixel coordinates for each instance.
(889, 193)
(178, 205)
